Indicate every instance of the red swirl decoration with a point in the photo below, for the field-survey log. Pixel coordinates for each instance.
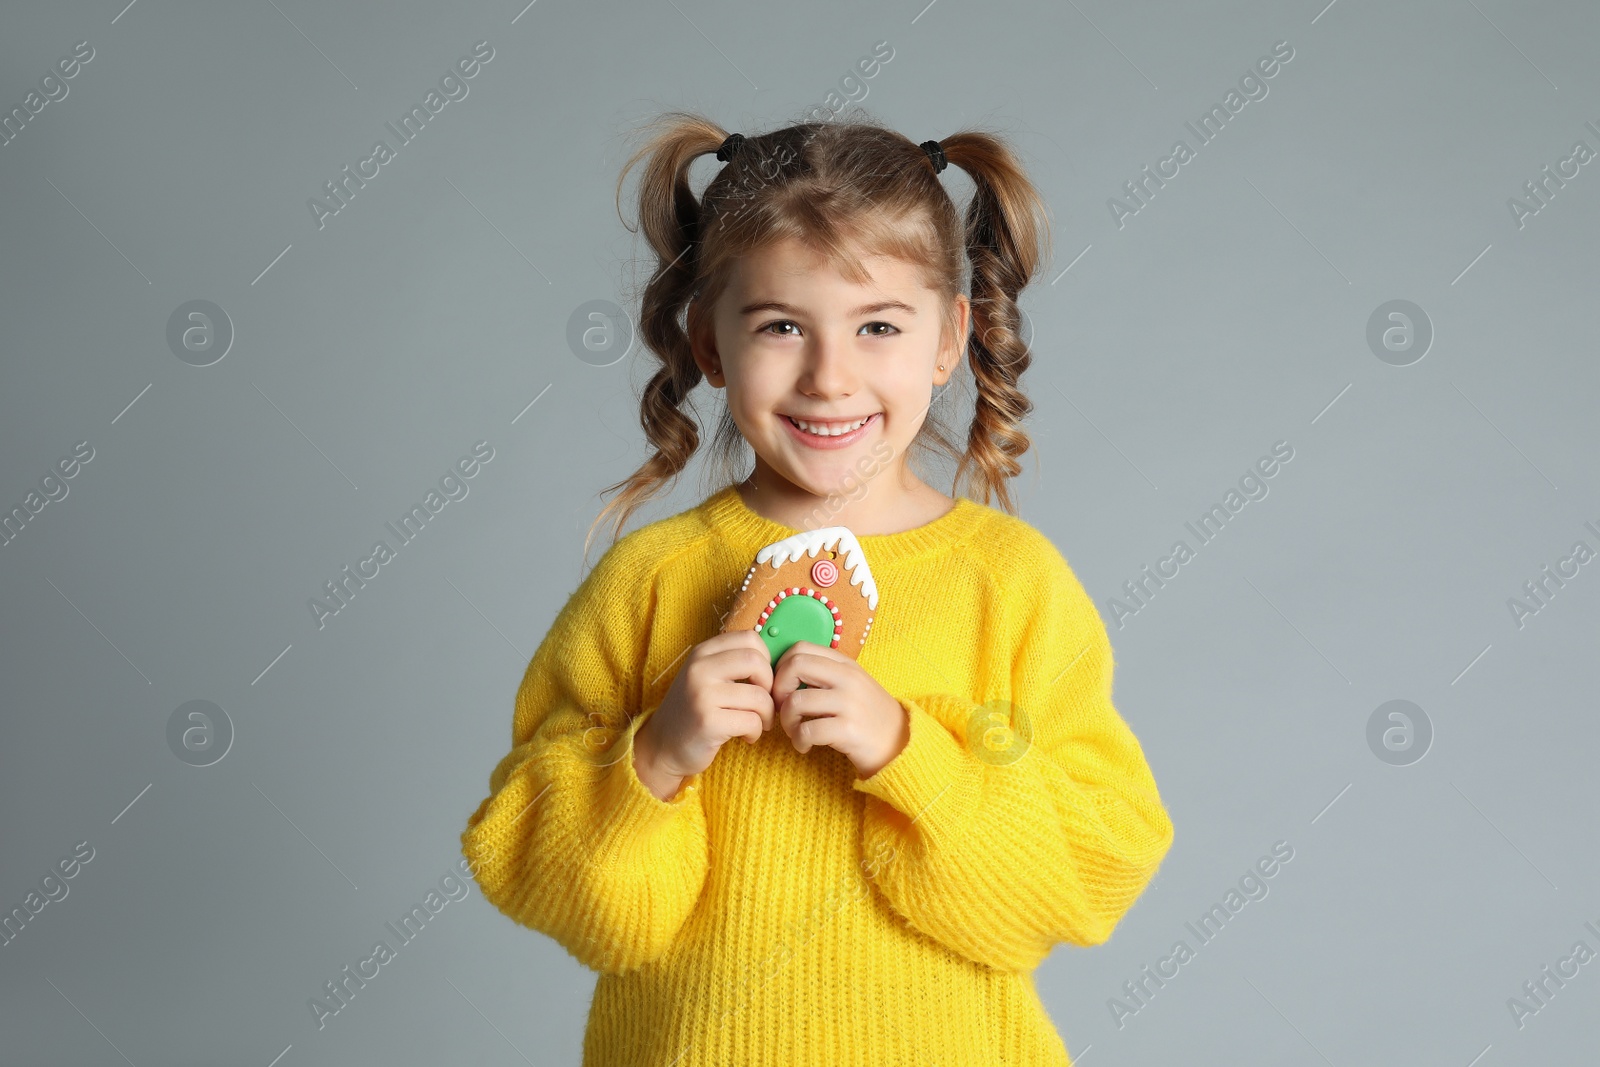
(824, 573)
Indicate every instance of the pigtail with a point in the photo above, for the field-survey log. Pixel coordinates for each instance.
(670, 216)
(1007, 238)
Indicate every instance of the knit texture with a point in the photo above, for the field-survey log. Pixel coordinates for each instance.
(779, 909)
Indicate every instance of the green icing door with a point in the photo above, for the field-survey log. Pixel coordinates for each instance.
(797, 618)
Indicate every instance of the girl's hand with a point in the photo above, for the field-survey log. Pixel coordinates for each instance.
(842, 706)
(723, 691)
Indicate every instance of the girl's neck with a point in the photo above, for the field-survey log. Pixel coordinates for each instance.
(885, 505)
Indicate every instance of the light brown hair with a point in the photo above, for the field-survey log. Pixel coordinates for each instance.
(846, 188)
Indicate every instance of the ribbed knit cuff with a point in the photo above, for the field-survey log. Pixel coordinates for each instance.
(626, 801)
(934, 780)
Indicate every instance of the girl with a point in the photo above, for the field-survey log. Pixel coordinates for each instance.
(873, 876)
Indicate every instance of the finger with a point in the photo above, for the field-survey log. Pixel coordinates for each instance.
(746, 699)
(825, 730)
(804, 705)
(736, 663)
(740, 722)
(811, 664)
(762, 705)
(749, 637)
(741, 696)
(734, 639)
(813, 649)
(742, 662)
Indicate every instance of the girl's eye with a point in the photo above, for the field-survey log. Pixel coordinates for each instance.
(787, 322)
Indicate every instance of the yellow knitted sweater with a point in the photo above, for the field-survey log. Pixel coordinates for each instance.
(779, 910)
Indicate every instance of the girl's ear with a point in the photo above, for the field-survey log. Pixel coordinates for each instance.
(951, 352)
(703, 345)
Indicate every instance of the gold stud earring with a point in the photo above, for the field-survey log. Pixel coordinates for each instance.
(941, 366)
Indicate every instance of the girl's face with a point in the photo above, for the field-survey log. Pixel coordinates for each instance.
(794, 340)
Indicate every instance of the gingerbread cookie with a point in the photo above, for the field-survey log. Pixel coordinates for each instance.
(814, 586)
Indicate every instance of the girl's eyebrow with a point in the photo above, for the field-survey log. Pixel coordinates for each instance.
(866, 309)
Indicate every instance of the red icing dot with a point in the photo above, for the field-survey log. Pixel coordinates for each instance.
(824, 573)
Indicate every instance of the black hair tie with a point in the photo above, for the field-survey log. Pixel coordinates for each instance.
(730, 146)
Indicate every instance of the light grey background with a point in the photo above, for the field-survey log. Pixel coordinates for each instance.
(1229, 313)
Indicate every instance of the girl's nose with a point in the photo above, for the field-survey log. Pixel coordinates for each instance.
(829, 370)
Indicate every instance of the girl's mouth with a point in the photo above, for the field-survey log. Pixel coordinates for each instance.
(826, 440)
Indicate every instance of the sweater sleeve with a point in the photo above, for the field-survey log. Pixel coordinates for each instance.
(1027, 820)
(569, 841)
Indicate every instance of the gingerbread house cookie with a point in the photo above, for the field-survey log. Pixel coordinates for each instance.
(814, 586)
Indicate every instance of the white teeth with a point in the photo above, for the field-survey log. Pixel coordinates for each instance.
(825, 431)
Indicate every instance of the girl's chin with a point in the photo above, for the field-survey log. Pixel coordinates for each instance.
(823, 479)
(843, 474)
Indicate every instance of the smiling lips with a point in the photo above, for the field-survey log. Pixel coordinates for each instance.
(829, 434)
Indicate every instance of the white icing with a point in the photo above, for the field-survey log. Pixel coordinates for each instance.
(811, 542)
